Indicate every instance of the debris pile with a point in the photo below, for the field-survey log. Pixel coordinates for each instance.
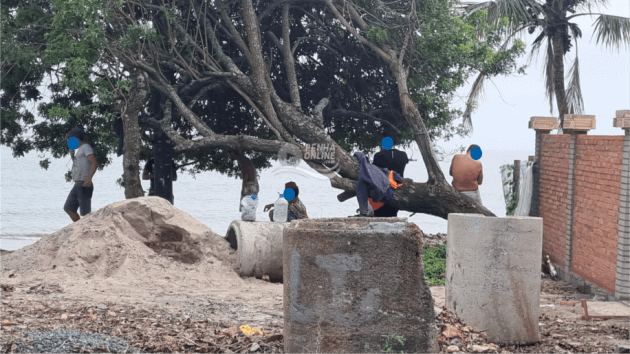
(146, 331)
(432, 240)
(455, 336)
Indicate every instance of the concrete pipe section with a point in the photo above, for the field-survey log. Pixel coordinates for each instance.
(493, 274)
(350, 283)
(258, 246)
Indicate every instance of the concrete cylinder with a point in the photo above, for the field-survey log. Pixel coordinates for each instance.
(493, 274)
(258, 248)
(350, 283)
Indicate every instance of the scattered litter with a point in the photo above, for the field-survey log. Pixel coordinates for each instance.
(254, 347)
(548, 305)
(247, 330)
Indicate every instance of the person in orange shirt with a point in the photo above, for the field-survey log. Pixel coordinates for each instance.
(467, 174)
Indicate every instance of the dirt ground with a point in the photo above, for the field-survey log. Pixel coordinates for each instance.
(102, 278)
(181, 320)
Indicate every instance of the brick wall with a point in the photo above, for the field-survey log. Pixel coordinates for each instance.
(595, 218)
(554, 170)
(596, 208)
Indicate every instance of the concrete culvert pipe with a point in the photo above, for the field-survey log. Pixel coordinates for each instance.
(258, 248)
(493, 274)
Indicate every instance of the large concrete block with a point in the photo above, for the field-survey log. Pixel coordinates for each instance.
(349, 283)
(579, 123)
(493, 274)
(543, 123)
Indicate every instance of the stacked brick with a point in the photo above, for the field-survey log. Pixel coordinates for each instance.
(584, 200)
(554, 173)
(596, 208)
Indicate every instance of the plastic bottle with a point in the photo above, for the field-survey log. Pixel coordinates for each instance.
(281, 209)
(249, 204)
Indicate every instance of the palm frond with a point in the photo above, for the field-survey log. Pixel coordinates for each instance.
(516, 12)
(574, 89)
(476, 93)
(536, 46)
(612, 31)
(588, 5)
(549, 75)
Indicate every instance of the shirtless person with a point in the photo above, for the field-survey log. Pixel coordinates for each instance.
(248, 172)
(467, 175)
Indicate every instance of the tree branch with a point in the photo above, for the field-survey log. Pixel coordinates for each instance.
(386, 57)
(289, 62)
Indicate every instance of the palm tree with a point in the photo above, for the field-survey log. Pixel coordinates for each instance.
(552, 18)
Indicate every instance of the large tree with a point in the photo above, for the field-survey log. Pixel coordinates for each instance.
(260, 76)
(556, 31)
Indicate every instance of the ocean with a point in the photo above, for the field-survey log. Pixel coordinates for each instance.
(33, 198)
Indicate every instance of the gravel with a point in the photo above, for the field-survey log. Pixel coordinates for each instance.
(71, 341)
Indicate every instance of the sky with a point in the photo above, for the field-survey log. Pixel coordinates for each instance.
(500, 122)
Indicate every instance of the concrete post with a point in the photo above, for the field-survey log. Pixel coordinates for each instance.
(622, 282)
(517, 177)
(570, 190)
(493, 274)
(349, 283)
(542, 125)
(574, 125)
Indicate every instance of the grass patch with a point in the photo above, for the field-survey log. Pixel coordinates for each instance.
(434, 260)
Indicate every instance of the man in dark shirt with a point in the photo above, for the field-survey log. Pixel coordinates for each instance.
(149, 173)
(393, 160)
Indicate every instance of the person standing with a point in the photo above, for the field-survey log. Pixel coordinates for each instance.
(467, 174)
(148, 173)
(84, 165)
(393, 160)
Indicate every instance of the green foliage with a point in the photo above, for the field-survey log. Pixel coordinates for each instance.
(396, 345)
(451, 53)
(434, 260)
(512, 197)
(377, 34)
(67, 39)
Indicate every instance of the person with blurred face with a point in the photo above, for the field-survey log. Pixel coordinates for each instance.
(297, 210)
(84, 165)
(467, 174)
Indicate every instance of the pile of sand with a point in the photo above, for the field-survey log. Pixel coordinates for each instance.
(137, 241)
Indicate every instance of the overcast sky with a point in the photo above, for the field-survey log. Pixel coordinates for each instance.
(500, 122)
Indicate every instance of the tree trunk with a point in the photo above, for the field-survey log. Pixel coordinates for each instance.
(131, 156)
(163, 166)
(438, 199)
(558, 72)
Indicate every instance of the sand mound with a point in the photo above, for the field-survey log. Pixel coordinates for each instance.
(135, 239)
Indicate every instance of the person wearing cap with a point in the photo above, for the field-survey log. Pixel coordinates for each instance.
(467, 174)
(297, 210)
(84, 165)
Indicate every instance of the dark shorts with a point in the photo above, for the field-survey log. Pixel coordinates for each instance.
(79, 197)
(386, 211)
